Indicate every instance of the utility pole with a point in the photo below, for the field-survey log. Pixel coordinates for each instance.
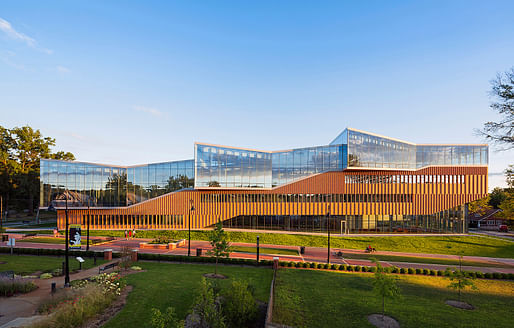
(328, 230)
(67, 263)
(1, 217)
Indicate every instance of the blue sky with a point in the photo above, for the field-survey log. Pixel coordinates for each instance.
(136, 82)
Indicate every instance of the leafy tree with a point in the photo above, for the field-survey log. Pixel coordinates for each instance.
(207, 309)
(502, 132)
(21, 148)
(179, 182)
(214, 183)
(239, 305)
(218, 239)
(496, 197)
(509, 174)
(507, 207)
(459, 280)
(167, 319)
(480, 206)
(385, 286)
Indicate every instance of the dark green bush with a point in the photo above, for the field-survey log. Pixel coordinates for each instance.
(297, 264)
(305, 264)
(320, 266)
(333, 267)
(418, 271)
(511, 276)
(349, 268)
(410, 271)
(440, 273)
(425, 271)
(342, 267)
(357, 268)
(326, 266)
(394, 270)
(433, 272)
(402, 270)
(488, 275)
(497, 275)
(479, 274)
(373, 269)
(364, 269)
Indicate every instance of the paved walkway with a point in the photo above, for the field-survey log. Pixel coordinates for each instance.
(312, 254)
(25, 305)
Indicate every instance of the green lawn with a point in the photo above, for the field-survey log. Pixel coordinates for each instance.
(54, 240)
(264, 250)
(169, 284)
(308, 298)
(465, 245)
(52, 224)
(414, 259)
(27, 264)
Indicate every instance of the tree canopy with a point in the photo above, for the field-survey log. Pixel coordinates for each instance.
(21, 148)
(501, 132)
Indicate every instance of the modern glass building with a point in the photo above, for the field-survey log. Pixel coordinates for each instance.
(359, 183)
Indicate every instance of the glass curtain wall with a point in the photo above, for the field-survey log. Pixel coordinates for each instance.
(451, 155)
(232, 167)
(110, 186)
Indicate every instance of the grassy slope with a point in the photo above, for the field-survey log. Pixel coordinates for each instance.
(168, 284)
(306, 298)
(465, 245)
(264, 250)
(27, 264)
(413, 259)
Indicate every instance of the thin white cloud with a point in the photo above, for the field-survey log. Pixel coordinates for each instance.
(9, 30)
(151, 111)
(62, 69)
(6, 58)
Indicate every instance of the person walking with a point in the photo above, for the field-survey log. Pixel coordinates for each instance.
(130, 234)
(126, 235)
(134, 233)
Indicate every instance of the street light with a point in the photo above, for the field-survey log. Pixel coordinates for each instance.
(67, 263)
(88, 218)
(328, 230)
(189, 228)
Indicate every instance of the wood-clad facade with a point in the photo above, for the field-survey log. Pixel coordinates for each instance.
(430, 199)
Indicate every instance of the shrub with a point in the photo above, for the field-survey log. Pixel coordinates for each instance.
(136, 268)
(297, 264)
(418, 271)
(167, 319)
(439, 273)
(45, 276)
(239, 306)
(357, 268)
(448, 272)
(373, 269)
(425, 271)
(433, 272)
(488, 275)
(349, 268)
(394, 269)
(342, 267)
(325, 266)
(364, 269)
(10, 287)
(473, 274)
(57, 272)
(410, 271)
(497, 275)
(312, 265)
(281, 263)
(333, 267)
(479, 274)
(305, 264)
(319, 266)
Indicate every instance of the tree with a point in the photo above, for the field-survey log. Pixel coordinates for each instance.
(496, 197)
(509, 175)
(239, 304)
(459, 280)
(502, 132)
(480, 206)
(384, 286)
(507, 207)
(219, 241)
(21, 148)
(214, 183)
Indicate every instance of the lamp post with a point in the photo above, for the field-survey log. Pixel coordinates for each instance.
(257, 250)
(88, 219)
(67, 263)
(189, 228)
(328, 231)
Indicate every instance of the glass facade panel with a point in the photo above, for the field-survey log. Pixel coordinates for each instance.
(106, 186)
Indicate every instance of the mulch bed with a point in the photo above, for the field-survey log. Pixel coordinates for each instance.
(214, 276)
(381, 321)
(460, 305)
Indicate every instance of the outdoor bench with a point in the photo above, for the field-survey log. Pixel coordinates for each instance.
(107, 267)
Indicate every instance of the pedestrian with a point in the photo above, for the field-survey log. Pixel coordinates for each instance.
(126, 235)
(130, 234)
(134, 233)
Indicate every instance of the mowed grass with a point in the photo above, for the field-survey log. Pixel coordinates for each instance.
(457, 245)
(176, 285)
(55, 240)
(264, 250)
(27, 264)
(308, 298)
(431, 260)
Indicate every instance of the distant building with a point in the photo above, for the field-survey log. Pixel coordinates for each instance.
(490, 220)
(367, 184)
